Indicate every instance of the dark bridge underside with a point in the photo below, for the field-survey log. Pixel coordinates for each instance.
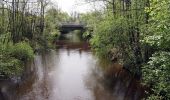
(64, 29)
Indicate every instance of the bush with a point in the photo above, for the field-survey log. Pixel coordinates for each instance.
(110, 34)
(10, 66)
(156, 75)
(13, 58)
(22, 51)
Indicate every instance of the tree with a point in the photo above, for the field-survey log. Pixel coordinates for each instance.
(156, 71)
(53, 19)
(21, 23)
(121, 20)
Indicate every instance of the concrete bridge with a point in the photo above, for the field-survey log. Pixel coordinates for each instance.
(65, 28)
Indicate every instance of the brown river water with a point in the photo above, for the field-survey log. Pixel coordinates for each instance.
(72, 72)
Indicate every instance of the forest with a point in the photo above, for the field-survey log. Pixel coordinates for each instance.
(133, 33)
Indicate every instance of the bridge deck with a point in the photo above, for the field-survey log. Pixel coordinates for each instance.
(65, 28)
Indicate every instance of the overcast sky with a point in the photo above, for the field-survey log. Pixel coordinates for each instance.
(74, 5)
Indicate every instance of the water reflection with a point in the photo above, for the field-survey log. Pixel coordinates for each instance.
(59, 76)
(72, 72)
(112, 82)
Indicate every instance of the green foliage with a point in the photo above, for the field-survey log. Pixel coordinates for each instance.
(154, 97)
(53, 18)
(156, 74)
(10, 67)
(124, 26)
(117, 28)
(159, 24)
(109, 34)
(22, 51)
(18, 25)
(13, 57)
(91, 20)
(104, 38)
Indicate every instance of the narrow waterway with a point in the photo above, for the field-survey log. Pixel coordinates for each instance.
(72, 72)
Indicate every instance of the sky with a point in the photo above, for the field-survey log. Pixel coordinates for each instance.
(74, 5)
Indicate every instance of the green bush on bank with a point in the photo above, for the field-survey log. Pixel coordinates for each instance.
(53, 36)
(110, 34)
(22, 51)
(156, 72)
(10, 66)
(13, 57)
(156, 75)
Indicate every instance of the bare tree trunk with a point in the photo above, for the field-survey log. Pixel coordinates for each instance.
(147, 14)
(136, 47)
(3, 15)
(113, 7)
(42, 16)
(147, 54)
(13, 22)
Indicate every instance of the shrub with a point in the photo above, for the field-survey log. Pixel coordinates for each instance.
(8, 65)
(22, 51)
(156, 75)
(110, 34)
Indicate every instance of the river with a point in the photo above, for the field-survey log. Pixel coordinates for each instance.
(72, 72)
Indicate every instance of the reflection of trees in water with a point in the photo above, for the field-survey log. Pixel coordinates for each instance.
(120, 81)
(36, 85)
(112, 82)
(81, 46)
(28, 78)
(74, 36)
(51, 60)
(7, 89)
